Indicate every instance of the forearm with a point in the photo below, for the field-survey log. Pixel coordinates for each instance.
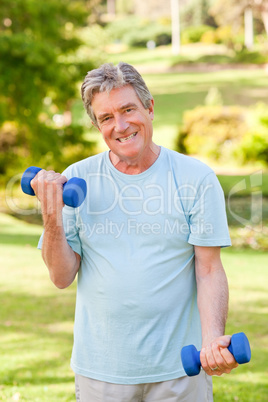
(212, 299)
(62, 262)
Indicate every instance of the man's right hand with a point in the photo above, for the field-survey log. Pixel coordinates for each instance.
(48, 187)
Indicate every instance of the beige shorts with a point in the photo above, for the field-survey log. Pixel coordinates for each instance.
(184, 389)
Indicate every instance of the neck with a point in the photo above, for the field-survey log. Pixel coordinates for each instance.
(137, 165)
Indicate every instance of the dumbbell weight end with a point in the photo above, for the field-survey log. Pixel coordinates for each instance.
(26, 179)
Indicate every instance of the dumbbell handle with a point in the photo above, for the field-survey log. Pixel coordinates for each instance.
(239, 347)
(74, 190)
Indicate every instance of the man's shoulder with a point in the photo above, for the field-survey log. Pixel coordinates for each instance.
(187, 165)
(85, 166)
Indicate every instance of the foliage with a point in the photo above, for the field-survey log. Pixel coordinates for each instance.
(212, 130)
(193, 34)
(251, 57)
(231, 12)
(225, 132)
(215, 59)
(136, 32)
(196, 12)
(254, 144)
(38, 74)
(241, 56)
(255, 238)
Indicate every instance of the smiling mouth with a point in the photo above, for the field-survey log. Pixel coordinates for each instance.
(127, 138)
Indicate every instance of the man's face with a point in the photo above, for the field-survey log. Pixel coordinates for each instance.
(125, 124)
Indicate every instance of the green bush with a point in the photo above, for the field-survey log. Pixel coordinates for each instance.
(226, 36)
(226, 133)
(246, 56)
(49, 147)
(215, 58)
(212, 131)
(254, 144)
(209, 36)
(118, 28)
(136, 32)
(194, 34)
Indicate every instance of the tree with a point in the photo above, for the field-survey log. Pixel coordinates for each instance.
(196, 13)
(234, 12)
(39, 71)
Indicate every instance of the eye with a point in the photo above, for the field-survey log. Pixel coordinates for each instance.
(129, 109)
(105, 119)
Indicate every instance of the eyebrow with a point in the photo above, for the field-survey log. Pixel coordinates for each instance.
(123, 107)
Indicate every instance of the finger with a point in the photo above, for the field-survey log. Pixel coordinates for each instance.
(205, 358)
(218, 358)
(229, 358)
(50, 176)
(61, 179)
(210, 358)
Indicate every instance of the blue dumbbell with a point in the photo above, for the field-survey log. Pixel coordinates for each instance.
(239, 347)
(74, 190)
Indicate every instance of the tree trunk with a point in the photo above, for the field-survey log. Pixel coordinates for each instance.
(175, 21)
(249, 35)
(111, 7)
(264, 15)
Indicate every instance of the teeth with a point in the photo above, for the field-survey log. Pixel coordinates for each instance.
(127, 138)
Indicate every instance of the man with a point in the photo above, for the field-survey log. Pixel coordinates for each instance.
(146, 247)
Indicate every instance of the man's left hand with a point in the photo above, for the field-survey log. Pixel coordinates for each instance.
(216, 358)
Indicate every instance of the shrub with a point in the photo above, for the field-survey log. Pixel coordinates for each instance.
(225, 133)
(210, 36)
(48, 147)
(212, 131)
(215, 58)
(246, 56)
(193, 34)
(225, 35)
(254, 144)
(136, 32)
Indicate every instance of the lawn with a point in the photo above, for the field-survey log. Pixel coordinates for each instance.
(37, 321)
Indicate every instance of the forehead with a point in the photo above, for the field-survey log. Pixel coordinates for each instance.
(117, 98)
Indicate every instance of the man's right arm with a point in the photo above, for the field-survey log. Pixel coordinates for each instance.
(62, 262)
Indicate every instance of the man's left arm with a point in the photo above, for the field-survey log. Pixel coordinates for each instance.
(212, 299)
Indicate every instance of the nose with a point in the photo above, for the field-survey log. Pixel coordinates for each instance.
(121, 124)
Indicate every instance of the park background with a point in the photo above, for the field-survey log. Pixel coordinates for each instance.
(206, 64)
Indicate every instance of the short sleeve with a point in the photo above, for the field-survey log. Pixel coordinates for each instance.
(207, 218)
(70, 229)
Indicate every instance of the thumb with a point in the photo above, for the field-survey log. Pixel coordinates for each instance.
(224, 341)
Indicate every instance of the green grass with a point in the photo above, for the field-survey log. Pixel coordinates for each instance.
(229, 181)
(247, 274)
(37, 321)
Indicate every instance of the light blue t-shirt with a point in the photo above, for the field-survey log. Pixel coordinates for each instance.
(136, 301)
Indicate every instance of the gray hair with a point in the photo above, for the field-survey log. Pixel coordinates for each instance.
(108, 77)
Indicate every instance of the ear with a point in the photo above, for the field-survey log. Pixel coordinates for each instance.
(151, 110)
